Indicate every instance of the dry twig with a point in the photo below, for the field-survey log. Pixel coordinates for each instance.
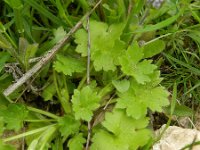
(88, 51)
(88, 78)
(48, 56)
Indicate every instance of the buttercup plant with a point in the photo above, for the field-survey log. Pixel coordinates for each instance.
(98, 89)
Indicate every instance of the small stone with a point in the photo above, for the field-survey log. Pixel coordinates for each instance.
(175, 138)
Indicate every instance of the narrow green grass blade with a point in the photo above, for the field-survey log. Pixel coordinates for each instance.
(45, 12)
(46, 136)
(4, 57)
(46, 113)
(19, 20)
(173, 102)
(28, 133)
(84, 5)
(15, 4)
(62, 12)
(30, 53)
(17, 7)
(4, 44)
(138, 6)
(2, 28)
(195, 35)
(192, 69)
(195, 15)
(159, 25)
(62, 95)
(194, 87)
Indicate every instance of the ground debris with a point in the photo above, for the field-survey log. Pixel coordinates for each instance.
(176, 138)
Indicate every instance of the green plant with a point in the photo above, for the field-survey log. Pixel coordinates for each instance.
(180, 64)
(98, 90)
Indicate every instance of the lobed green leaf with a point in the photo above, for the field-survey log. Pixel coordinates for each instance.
(84, 102)
(132, 64)
(140, 97)
(68, 125)
(121, 86)
(76, 142)
(68, 65)
(14, 116)
(106, 45)
(122, 133)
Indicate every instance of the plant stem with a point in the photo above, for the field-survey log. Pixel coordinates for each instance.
(155, 39)
(63, 98)
(88, 51)
(88, 136)
(165, 128)
(10, 40)
(48, 114)
(27, 133)
(81, 83)
(42, 120)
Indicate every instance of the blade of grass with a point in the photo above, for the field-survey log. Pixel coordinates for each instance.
(45, 12)
(62, 12)
(46, 136)
(64, 101)
(17, 7)
(48, 114)
(28, 133)
(84, 5)
(173, 102)
(195, 15)
(3, 31)
(48, 56)
(159, 25)
(5, 44)
(19, 21)
(194, 87)
(192, 69)
(41, 120)
(138, 6)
